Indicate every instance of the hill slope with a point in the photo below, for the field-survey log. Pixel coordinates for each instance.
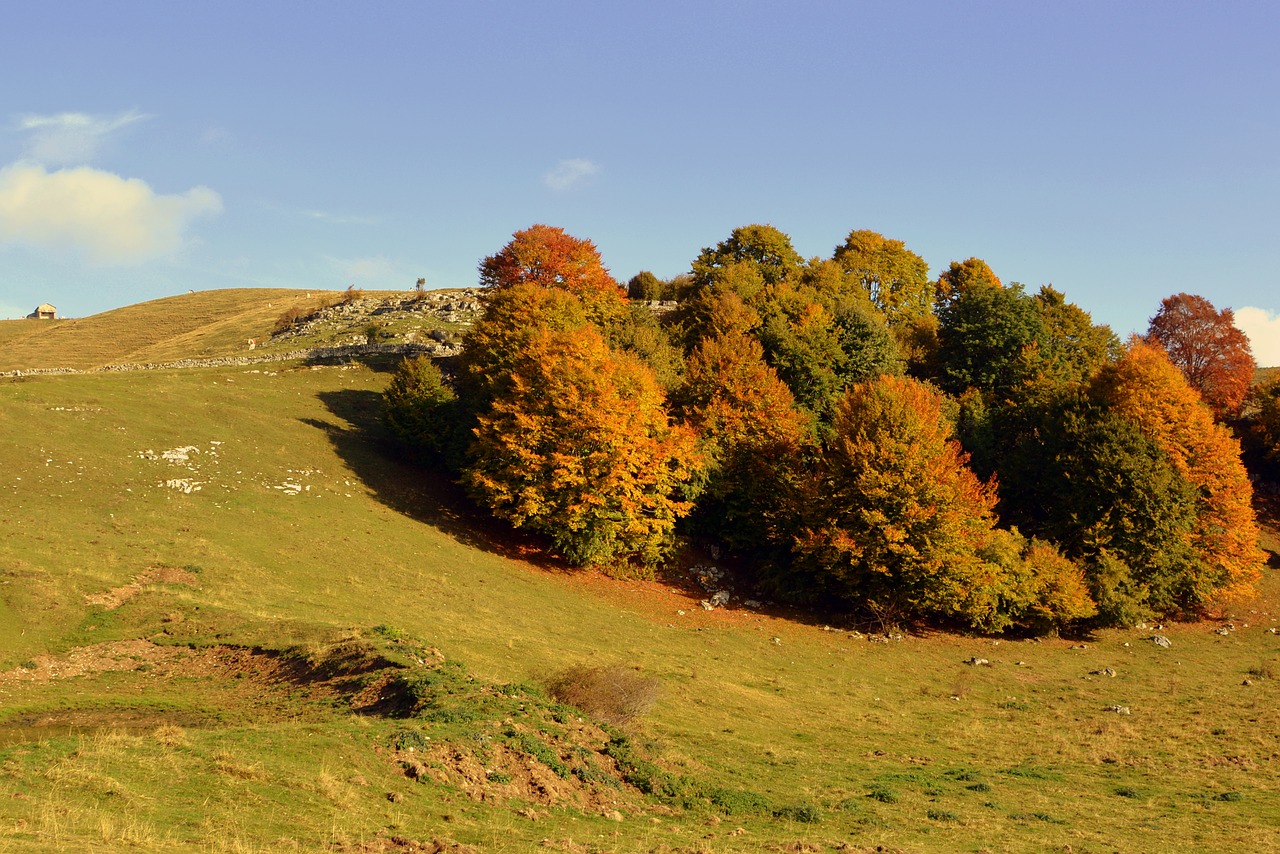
(230, 619)
(209, 323)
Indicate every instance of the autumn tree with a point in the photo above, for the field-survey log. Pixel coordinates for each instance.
(960, 276)
(763, 246)
(893, 277)
(577, 445)
(513, 315)
(723, 306)
(545, 255)
(1146, 388)
(751, 432)
(895, 519)
(1207, 346)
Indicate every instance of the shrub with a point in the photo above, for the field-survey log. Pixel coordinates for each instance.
(612, 693)
(288, 318)
(423, 411)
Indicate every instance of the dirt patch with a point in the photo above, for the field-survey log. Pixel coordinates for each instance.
(98, 658)
(501, 772)
(114, 598)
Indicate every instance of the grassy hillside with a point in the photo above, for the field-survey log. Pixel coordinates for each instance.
(191, 326)
(230, 620)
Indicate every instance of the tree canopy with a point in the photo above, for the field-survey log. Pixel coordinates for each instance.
(893, 277)
(1207, 346)
(1145, 387)
(578, 446)
(763, 246)
(546, 256)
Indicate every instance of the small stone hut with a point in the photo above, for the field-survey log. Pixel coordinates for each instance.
(44, 312)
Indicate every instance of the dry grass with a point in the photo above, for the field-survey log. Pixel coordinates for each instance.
(209, 323)
(612, 693)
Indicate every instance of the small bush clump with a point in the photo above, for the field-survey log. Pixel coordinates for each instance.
(614, 694)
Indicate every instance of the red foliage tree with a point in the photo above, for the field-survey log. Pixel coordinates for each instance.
(545, 255)
(1205, 344)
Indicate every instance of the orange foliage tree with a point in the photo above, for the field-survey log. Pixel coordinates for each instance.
(577, 445)
(512, 317)
(1208, 348)
(895, 517)
(1146, 388)
(545, 255)
(751, 432)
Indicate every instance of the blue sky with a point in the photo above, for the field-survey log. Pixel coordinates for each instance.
(1121, 151)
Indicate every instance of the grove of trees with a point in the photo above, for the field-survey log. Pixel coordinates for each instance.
(858, 436)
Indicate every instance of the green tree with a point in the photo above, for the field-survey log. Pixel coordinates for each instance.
(1072, 346)
(646, 286)
(989, 338)
(423, 411)
(1266, 419)
(577, 446)
(959, 277)
(893, 277)
(1088, 479)
(639, 333)
(821, 344)
(763, 246)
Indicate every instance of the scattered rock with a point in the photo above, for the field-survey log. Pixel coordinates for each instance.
(1106, 671)
(1161, 641)
(1224, 631)
(1247, 682)
(612, 815)
(978, 662)
(395, 797)
(1119, 710)
(776, 641)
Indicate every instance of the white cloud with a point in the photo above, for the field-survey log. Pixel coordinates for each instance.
(569, 172)
(1263, 329)
(69, 138)
(114, 220)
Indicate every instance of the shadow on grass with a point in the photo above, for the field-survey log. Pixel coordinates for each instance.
(425, 495)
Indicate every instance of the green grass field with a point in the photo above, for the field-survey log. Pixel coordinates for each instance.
(231, 620)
